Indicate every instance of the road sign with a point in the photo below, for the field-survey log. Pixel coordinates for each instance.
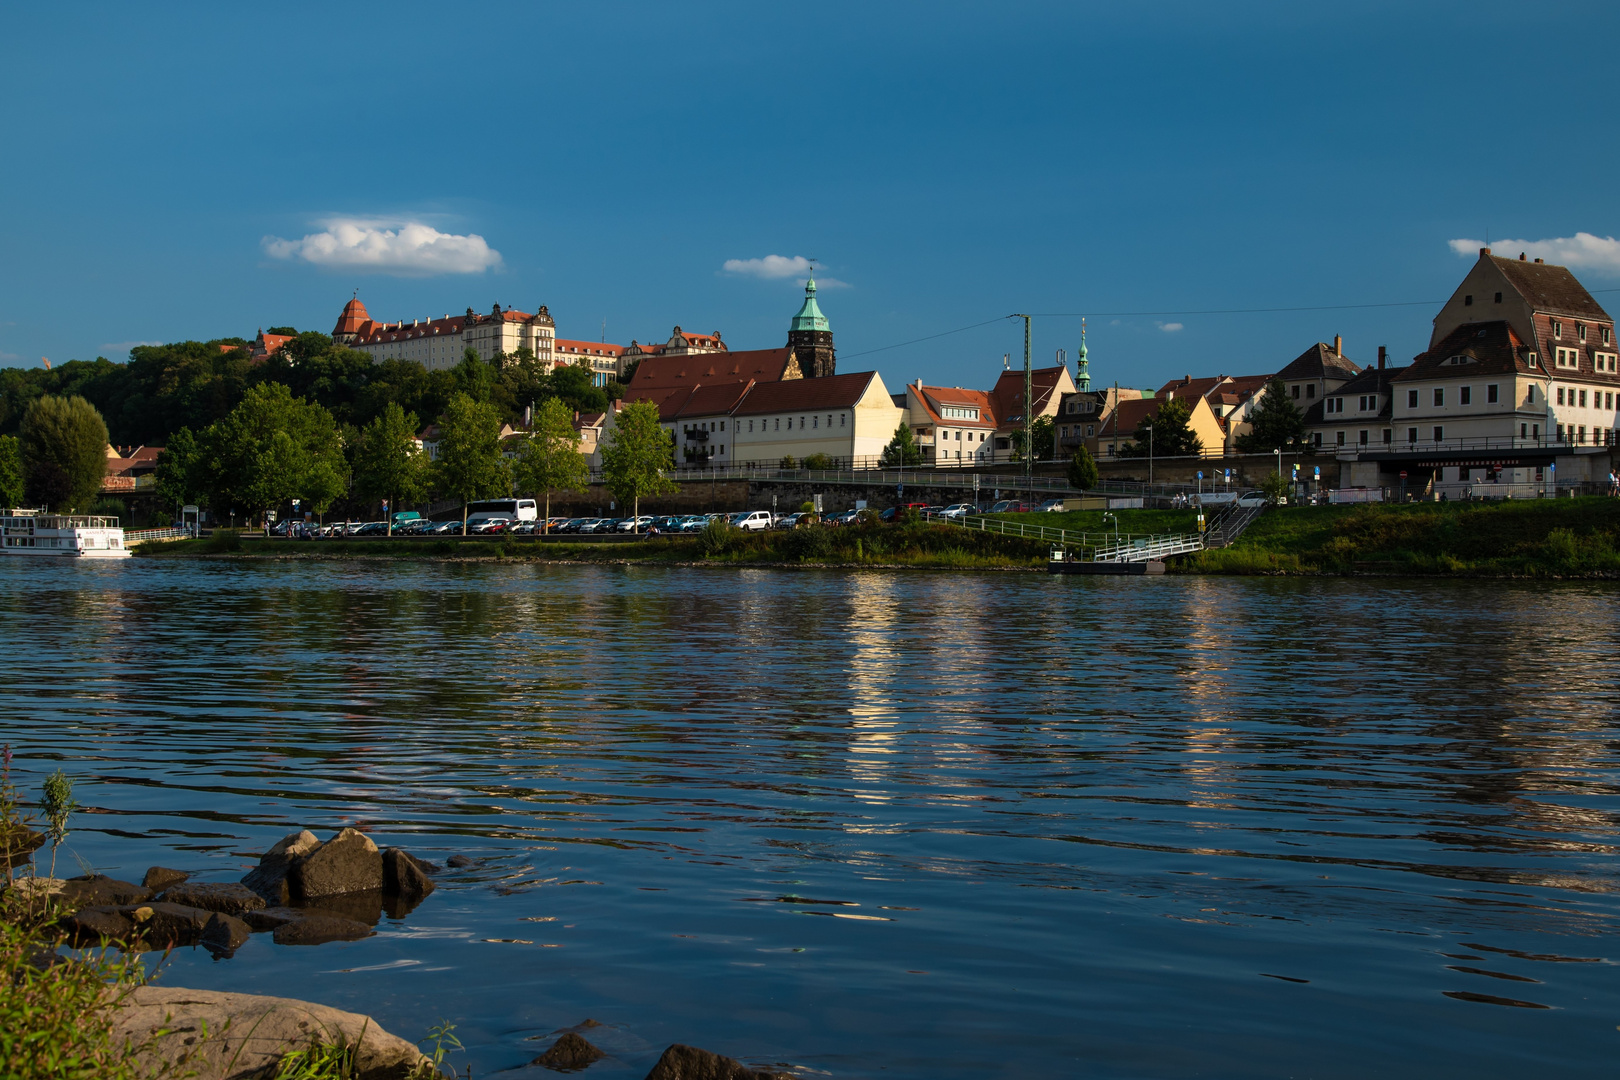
(189, 508)
(899, 490)
(1200, 474)
(1403, 474)
(1319, 472)
(818, 504)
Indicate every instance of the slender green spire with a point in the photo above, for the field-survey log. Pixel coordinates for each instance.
(1082, 373)
(810, 316)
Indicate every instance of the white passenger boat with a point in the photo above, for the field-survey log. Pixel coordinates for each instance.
(31, 532)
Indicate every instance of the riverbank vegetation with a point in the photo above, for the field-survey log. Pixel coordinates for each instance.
(915, 545)
(1532, 538)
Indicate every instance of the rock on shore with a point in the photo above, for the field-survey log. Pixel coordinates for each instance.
(249, 1034)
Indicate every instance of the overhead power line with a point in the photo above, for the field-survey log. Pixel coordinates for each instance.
(1155, 314)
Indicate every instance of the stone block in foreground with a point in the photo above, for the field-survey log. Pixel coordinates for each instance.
(249, 1034)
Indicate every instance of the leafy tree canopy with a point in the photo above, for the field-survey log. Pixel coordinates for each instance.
(1083, 474)
(271, 449)
(1165, 433)
(387, 462)
(638, 455)
(1275, 423)
(470, 465)
(12, 493)
(551, 459)
(64, 453)
(903, 449)
(1043, 434)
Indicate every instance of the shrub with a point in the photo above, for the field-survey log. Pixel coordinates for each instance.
(716, 537)
(787, 462)
(807, 507)
(818, 461)
(223, 540)
(811, 542)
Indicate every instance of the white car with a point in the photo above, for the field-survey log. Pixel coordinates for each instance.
(753, 521)
(957, 511)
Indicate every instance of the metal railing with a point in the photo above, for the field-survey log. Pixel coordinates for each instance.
(174, 532)
(1095, 547)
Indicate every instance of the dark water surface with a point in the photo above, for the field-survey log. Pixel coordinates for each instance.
(908, 825)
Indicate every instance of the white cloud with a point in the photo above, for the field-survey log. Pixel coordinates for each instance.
(770, 267)
(1170, 327)
(123, 346)
(1583, 251)
(400, 248)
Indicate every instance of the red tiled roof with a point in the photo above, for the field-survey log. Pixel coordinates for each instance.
(828, 392)
(378, 333)
(935, 396)
(663, 372)
(1550, 288)
(353, 318)
(1009, 392)
(1492, 347)
(586, 348)
(716, 400)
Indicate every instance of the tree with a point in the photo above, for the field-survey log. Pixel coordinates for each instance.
(1275, 422)
(1042, 433)
(902, 449)
(11, 472)
(470, 465)
(550, 459)
(1083, 470)
(64, 453)
(283, 331)
(388, 464)
(473, 377)
(271, 449)
(572, 383)
(638, 454)
(1165, 433)
(817, 461)
(177, 476)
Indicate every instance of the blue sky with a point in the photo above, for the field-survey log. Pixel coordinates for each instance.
(948, 163)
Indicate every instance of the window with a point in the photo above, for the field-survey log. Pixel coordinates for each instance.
(957, 412)
(1411, 399)
(1566, 358)
(1530, 395)
(1088, 433)
(722, 425)
(1580, 331)
(1605, 335)
(778, 423)
(1439, 434)
(1491, 393)
(815, 421)
(1468, 301)
(1583, 399)
(750, 425)
(1439, 396)
(1310, 390)
(1341, 439)
(1522, 429)
(1465, 395)
(1580, 434)
(1316, 439)
(1411, 434)
(1388, 436)
(1560, 395)
(1295, 389)
(1498, 299)
(841, 418)
(1361, 437)
(1531, 361)
(1535, 431)
(1558, 329)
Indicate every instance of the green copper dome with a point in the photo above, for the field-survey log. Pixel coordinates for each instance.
(810, 316)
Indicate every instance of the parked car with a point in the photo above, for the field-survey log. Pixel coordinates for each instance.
(1253, 498)
(1052, 506)
(1011, 506)
(371, 528)
(752, 520)
(489, 526)
(693, 523)
(848, 517)
(634, 524)
(523, 528)
(958, 511)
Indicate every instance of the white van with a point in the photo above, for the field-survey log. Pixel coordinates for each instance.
(752, 521)
(511, 509)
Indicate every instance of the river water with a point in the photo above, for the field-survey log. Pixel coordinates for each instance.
(878, 824)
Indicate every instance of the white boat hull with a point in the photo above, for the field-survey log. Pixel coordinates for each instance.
(28, 533)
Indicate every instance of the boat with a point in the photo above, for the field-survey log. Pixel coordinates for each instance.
(74, 536)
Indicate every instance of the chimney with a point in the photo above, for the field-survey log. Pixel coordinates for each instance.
(1338, 345)
(1484, 252)
(1380, 358)
(1521, 256)
(1538, 261)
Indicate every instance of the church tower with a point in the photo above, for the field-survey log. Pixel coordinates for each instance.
(810, 337)
(1082, 372)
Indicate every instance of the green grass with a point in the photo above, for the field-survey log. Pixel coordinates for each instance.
(1530, 538)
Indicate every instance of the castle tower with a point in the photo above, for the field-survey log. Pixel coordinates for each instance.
(351, 324)
(810, 337)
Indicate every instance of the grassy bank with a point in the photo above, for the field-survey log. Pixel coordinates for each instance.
(1532, 538)
(927, 546)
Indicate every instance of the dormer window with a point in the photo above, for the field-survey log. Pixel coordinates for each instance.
(1558, 329)
(1580, 331)
(1531, 361)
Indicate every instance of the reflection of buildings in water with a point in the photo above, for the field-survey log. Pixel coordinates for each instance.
(877, 617)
